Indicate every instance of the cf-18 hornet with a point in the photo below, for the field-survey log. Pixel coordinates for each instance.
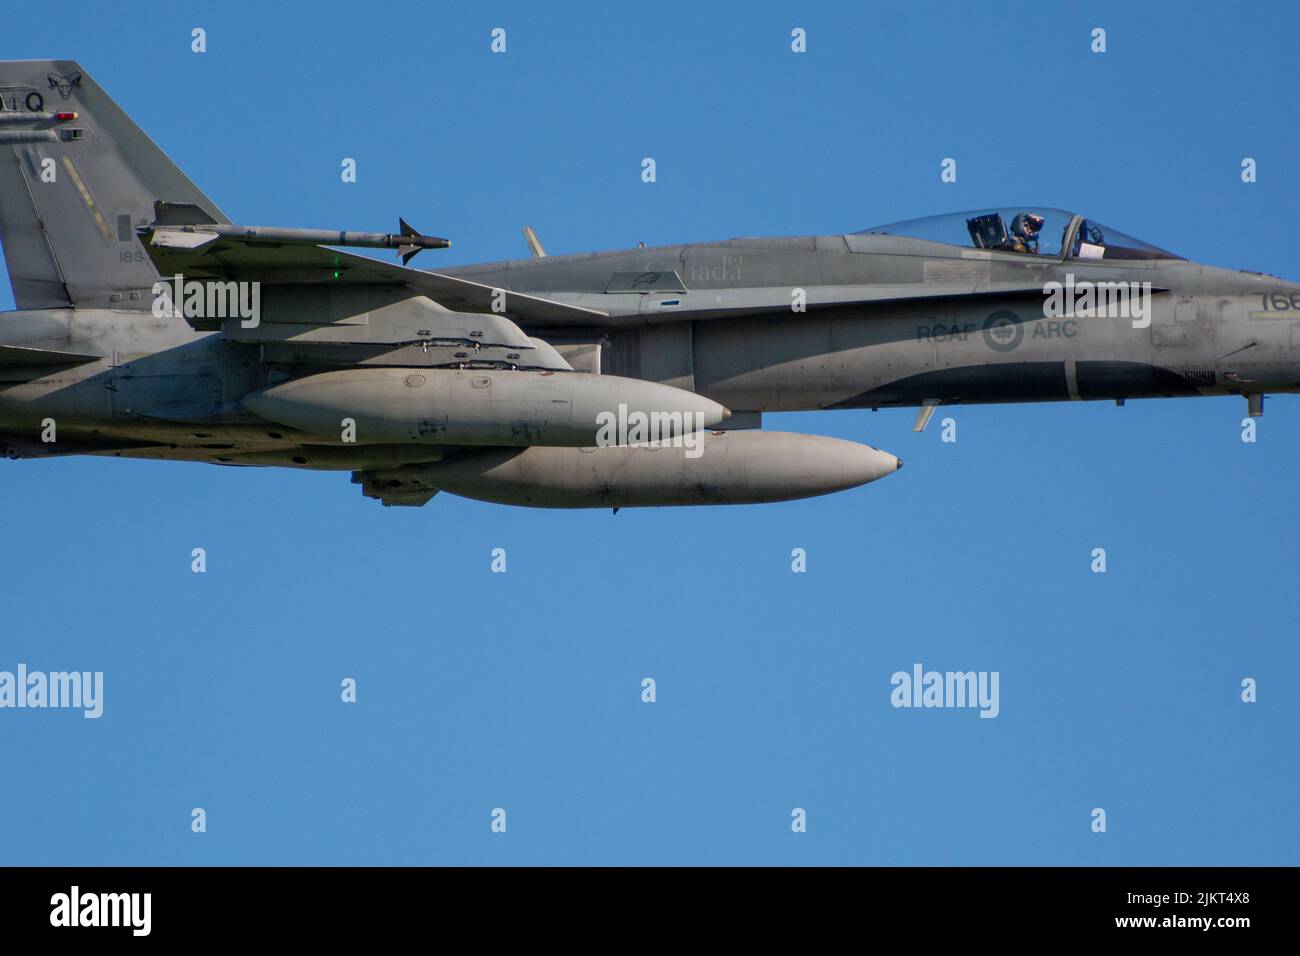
(150, 326)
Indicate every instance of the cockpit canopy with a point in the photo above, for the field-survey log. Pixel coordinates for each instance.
(1027, 230)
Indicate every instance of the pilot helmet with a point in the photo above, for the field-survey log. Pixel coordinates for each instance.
(1026, 224)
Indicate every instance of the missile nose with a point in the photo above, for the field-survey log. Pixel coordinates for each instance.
(726, 413)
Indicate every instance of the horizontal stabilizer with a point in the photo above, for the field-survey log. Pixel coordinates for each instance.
(22, 364)
(17, 356)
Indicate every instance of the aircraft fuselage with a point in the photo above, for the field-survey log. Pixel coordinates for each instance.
(734, 335)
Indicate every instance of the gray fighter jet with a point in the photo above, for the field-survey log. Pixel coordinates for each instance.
(150, 326)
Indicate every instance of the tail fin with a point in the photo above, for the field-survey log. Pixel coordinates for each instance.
(77, 177)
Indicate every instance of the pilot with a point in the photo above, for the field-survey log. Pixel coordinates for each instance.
(1024, 232)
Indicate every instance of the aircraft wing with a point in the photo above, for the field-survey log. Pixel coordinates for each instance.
(198, 255)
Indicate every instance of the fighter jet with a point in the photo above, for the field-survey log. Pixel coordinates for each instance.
(148, 325)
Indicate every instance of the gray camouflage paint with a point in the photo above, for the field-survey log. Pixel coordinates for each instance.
(890, 321)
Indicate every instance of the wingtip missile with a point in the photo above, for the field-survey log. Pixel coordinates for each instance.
(189, 235)
(412, 241)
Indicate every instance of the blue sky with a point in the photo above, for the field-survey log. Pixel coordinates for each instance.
(522, 690)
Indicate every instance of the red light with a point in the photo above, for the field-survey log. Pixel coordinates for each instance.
(64, 117)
